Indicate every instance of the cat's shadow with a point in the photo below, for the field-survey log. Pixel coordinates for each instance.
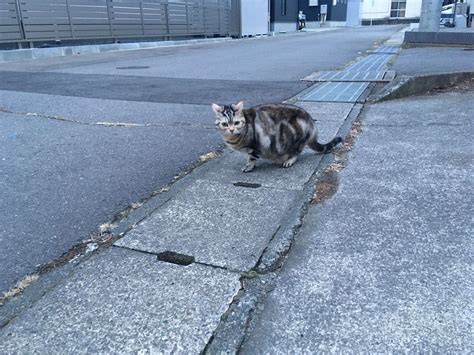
(267, 167)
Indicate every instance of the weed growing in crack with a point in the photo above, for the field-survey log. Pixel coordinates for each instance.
(18, 288)
(328, 182)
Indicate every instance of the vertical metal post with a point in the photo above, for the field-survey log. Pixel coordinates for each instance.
(204, 17)
(187, 17)
(167, 19)
(69, 18)
(430, 15)
(455, 10)
(141, 17)
(219, 15)
(107, 2)
(19, 18)
(372, 11)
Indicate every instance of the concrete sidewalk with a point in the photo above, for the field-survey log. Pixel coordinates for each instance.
(382, 262)
(385, 265)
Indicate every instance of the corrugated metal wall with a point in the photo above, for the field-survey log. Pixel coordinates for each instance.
(31, 20)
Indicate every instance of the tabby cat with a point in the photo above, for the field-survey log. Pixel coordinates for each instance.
(277, 132)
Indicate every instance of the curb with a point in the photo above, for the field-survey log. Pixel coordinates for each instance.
(418, 38)
(41, 53)
(404, 86)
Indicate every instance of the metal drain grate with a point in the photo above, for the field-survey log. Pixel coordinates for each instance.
(350, 75)
(386, 50)
(370, 63)
(336, 92)
(349, 84)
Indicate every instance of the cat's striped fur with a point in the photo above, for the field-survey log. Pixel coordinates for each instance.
(277, 132)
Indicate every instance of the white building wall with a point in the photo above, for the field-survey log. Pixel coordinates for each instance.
(254, 17)
(413, 8)
(378, 9)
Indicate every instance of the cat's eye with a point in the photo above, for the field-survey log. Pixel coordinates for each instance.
(237, 123)
(224, 124)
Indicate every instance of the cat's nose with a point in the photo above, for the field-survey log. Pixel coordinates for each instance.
(231, 130)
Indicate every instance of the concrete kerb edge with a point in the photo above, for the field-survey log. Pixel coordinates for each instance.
(119, 226)
(404, 86)
(40, 53)
(274, 254)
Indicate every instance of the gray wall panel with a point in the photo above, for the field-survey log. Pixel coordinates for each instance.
(69, 19)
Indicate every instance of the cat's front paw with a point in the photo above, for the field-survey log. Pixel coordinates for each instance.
(289, 163)
(248, 168)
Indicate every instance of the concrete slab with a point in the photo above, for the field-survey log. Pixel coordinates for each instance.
(217, 223)
(20, 54)
(39, 53)
(437, 112)
(118, 47)
(147, 44)
(432, 60)
(228, 169)
(125, 302)
(385, 266)
(88, 49)
(327, 111)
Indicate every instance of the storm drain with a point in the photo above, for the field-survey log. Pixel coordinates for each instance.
(348, 85)
(336, 92)
(386, 50)
(372, 75)
(370, 63)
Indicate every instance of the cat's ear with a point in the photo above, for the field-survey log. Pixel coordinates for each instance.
(238, 107)
(217, 109)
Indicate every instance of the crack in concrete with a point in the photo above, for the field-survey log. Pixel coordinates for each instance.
(108, 124)
(415, 125)
(240, 315)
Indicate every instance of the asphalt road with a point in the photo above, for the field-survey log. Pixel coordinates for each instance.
(62, 175)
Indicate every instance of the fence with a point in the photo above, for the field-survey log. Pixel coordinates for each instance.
(33, 20)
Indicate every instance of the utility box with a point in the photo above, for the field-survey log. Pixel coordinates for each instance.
(249, 17)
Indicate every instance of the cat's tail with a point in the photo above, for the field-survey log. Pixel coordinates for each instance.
(324, 148)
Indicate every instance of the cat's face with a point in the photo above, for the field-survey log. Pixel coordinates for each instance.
(230, 120)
